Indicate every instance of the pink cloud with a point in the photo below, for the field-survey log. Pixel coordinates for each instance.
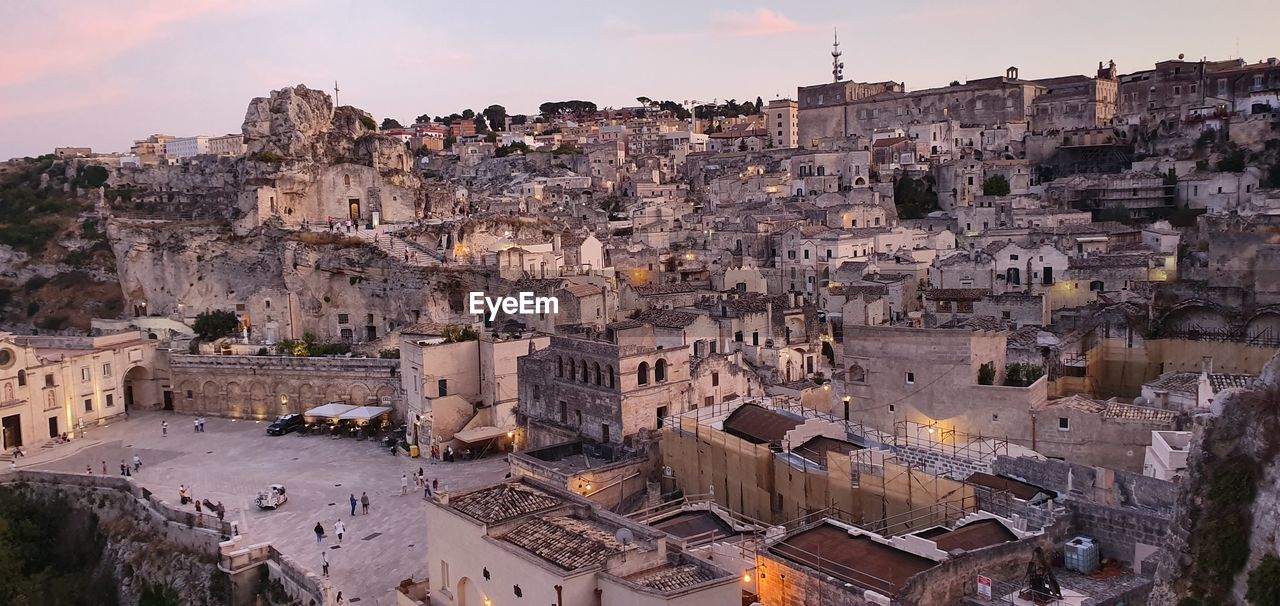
(75, 37)
(761, 22)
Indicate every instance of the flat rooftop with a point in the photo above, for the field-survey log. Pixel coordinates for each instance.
(974, 535)
(688, 524)
(856, 559)
(1019, 489)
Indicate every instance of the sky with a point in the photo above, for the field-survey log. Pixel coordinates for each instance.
(102, 74)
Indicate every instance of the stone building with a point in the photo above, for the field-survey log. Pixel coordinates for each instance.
(264, 387)
(605, 389)
(53, 385)
(528, 541)
(1071, 102)
(782, 122)
(842, 109)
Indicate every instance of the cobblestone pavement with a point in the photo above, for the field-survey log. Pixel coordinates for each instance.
(232, 460)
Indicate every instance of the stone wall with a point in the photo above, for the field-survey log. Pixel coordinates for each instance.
(263, 387)
(1130, 514)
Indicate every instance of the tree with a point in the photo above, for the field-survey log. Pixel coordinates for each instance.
(644, 101)
(423, 119)
(467, 114)
(995, 185)
(497, 117)
(914, 198)
(759, 104)
(1232, 161)
(481, 126)
(92, 177)
(507, 150)
(987, 374)
(390, 123)
(213, 325)
(368, 122)
(575, 107)
(518, 119)
(1264, 583)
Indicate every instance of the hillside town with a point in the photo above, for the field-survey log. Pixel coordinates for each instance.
(1004, 341)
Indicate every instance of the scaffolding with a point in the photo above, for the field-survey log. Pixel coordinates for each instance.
(949, 442)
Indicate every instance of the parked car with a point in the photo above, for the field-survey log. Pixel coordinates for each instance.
(285, 424)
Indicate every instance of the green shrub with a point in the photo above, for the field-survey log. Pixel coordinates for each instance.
(995, 185)
(1264, 583)
(368, 123)
(267, 156)
(987, 374)
(212, 325)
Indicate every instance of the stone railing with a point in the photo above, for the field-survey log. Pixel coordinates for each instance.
(304, 364)
(302, 586)
(190, 519)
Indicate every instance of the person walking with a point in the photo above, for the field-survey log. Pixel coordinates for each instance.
(404, 483)
(339, 601)
(435, 484)
(339, 529)
(104, 468)
(124, 469)
(324, 563)
(195, 425)
(164, 428)
(353, 503)
(319, 533)
(137, 462)
(222, 511)
(364, 502)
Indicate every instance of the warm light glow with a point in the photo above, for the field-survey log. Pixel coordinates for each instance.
(588, 487)
(931, 430)
(746, 577)
(511, 435)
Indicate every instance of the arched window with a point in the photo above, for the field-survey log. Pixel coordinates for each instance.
(559, 366)
(346, 180)
(596, 368)
(585, 378)
(572, 369)
(642, 374)
(1013, 276)
(1096, 286)
(822, 171)
(857, 374)
(22, 378)
(660, 371)
(608, 377)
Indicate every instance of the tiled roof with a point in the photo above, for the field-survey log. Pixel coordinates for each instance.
(1108, 261)
(1078, 402)
(567, 542)
(503, 502)
(1129, 412)
(667, 318)
(1220, 382)
(671, 577)
(582, 290)
(663, 289)
(1182, 382)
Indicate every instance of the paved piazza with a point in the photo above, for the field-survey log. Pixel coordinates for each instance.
(233, 459)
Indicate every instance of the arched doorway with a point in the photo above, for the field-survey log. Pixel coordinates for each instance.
(140, 390)
(468, 593)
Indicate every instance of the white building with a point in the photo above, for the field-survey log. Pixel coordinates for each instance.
(1166, 457)
(186, 147)
(523, 542)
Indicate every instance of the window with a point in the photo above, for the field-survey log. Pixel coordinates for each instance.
(572, 369)
(755, 336)
(596, 368)
(661, 414)
(578, 417)
(1013, 276)
(608, 377)
(1096, 286)
(1047, 276)
(604, 432)
(893, 408)
(660, 371)
(537, 392)
(88, 405)
(190, 395)
(708, 401)
(84, 373)
(564, 412)
(737, 336)
(22, 378)
(444, 573)
(1064, 424)
(715, 379)
(111, 400)
(347, 334)
(642, 374)
(559, 366)
(442, 386)
(911, 378)
(584, 377)
(106, 370)
(48, 380)
(344, 319)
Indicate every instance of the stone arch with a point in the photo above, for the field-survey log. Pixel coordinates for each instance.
(857, 374)
(283, 399)
(1197, 316)
(236, 404)
(383, 392)
(210, 393)
(597, 373)
(609, 377)
(333, 394)
(859, 181)
(585, 377)
(660, 370)
(359, 395)
(642, 374)
(308, 397)
(1264, 326)
(573, 368)
(258, 395)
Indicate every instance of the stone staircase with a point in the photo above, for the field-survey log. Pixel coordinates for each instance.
(396, 247)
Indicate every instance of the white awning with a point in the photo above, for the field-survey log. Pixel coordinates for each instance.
(332, 410)
(479, 434)
(365, 413)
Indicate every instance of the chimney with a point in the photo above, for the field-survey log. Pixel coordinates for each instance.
(1206, 365)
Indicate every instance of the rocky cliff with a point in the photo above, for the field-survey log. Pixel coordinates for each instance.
(1227, 520)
